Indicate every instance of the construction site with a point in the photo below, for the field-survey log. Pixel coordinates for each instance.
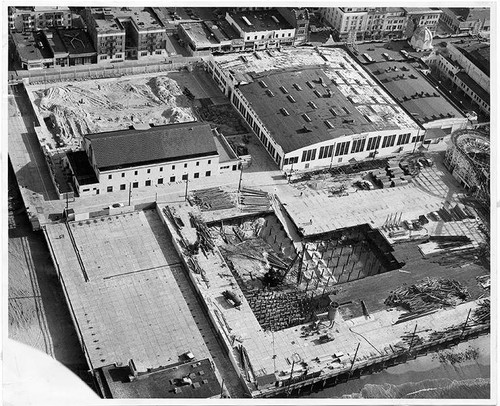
(281, 287)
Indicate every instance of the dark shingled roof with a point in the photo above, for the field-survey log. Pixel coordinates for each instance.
(126, 148)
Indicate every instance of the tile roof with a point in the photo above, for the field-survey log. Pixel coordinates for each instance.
(125, 148)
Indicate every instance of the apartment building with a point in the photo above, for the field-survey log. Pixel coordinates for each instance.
(24, 19)
(366, 23)
(422, 16)
(119, 33)
(107, 33)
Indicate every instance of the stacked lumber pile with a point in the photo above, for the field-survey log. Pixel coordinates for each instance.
(252, 200)
(212, 199)
(426, 296)
(481, 315)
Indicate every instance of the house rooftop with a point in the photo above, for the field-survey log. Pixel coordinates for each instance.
(266, 20)
(200, 35)
(164, 382)
(32, 46)
(74, 41)
(128, 148)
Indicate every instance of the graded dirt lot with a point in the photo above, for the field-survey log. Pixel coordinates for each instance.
(75, 109)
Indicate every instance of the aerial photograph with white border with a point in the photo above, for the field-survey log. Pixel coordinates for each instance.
(235, 202)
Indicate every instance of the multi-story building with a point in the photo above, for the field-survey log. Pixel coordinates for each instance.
(422, 16)
(107, 33)
(322, 109)
(467, 65)
(467, 20)
(366, 23)
(145, 33)
(135, 158)
(23, 19)
(262, 29)
(299, 19)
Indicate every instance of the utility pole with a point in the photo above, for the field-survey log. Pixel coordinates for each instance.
(465, 324)
(412, 337)
(241, 177)
(355, 355)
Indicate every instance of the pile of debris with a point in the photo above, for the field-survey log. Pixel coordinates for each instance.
(277, 310)
(204, 238)
(212, 199)
(427, 296)
(252, 200)
(481, 314)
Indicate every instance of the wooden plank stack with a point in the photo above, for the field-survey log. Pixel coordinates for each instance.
(212, 199)
(252, 200)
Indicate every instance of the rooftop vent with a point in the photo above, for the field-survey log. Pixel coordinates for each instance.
(283, 89)
(263, 84)
(317, 93)
(296, 86)
(311, 103)
(275, 19)
(346, 110)
(348, 121)
(284, 112)
(329, 125)
(333, 112)
(269, 93)
(306, 117)
(290, 97)
(310, 84)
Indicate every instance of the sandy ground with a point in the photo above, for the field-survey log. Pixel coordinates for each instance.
(38, 314)
(78, 108)
(424, 372)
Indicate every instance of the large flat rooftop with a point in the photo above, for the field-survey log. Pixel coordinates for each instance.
(133, 305)
(322, 90)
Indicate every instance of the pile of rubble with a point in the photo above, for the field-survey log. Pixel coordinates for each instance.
(427, 296)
